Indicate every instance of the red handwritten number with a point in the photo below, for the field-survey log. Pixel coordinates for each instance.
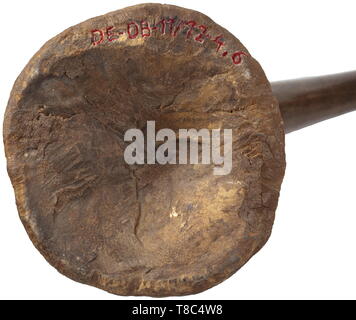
(132, 35)
(170, 22)
(200, 37)
(145, 27)
(163, 28)
(98, 36)
(218, 41)
(192, 24)
(236, 57)
(94, 37)
(177, 28)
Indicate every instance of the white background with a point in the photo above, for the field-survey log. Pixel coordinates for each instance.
(311, 253)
